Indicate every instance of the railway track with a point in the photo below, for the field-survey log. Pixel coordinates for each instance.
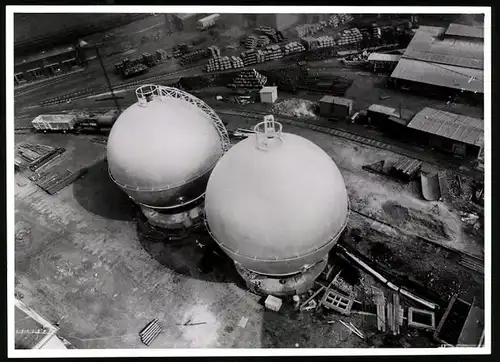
(467, 260)
(329, 129)
(120, 86)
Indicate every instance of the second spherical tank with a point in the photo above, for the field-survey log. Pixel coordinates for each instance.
(276, 211)
(161, 152)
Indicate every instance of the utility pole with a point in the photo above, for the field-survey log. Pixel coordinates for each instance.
(107, 79)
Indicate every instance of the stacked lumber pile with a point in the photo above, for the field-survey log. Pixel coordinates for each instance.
(325, 42)
(376, 32)
(274, 35)
(350, 37)
(192, 57)
(249, 79)
(339, 19)
(293, 47)
(236, 62)
(263, 41)
(213, 51)
(406, 168)
(309, 42)
(251, 42)
(218, 64)
(52, 182)
(272, 52)
(161, 54)
(308, 29)
(253, 56)
(28, 154)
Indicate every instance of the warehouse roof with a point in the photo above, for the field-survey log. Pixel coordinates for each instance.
(449, 125)
(380, 57)
(382, 109)
(46, 54)
(268, 89)
(465, 31)
(428, 45)
(440, 75)
(337, 100)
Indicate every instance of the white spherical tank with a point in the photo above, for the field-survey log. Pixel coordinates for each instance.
(162, 149)
(276, 203)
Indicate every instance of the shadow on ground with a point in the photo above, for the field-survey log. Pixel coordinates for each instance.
(98, 194)
(194, 255)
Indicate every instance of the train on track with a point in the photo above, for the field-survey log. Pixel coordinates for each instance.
(75, 123)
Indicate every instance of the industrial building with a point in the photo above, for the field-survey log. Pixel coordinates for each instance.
(46, 64)
(268, 94)
(445, 61)
(383, 62)
(186, 21)
(449, 132)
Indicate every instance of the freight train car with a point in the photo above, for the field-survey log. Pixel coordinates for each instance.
(55, 122)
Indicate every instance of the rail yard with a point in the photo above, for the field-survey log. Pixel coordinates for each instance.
(147, 215)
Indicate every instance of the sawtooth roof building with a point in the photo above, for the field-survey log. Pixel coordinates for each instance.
(438, 58)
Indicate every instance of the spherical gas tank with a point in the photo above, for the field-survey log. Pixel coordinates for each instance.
(161, 152)
(276, 203)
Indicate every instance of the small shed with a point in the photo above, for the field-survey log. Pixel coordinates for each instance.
(381, 61)
(335, 107)
(268, 94)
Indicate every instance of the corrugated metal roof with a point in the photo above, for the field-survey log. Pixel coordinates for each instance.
(46, 54)
(449, 125)
(465, 31)
(337, 100)
(427, 46)
(383, 109)
(379, 57)
(442, 75)
(327, 99)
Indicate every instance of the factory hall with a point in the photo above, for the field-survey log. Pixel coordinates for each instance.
(250, 182)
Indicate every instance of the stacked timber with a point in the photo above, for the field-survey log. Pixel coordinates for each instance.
(309, 43)
(219, 63)
(308, 29)
(249, 79)
(376, 32)
(32, 153)
(236, 62)
(263, 41)
(52, 182)
(251, 42)
(274, 35)
(253, 56)
(213, 51)
(350, 37)
(345, 18)
(325, 42)
(192, 57)
(406, 168)
(148, 59)
(45, 159)
(272, 52)
(161, 54)
(293, 47)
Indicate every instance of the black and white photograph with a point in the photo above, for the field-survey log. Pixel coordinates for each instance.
(255, 180)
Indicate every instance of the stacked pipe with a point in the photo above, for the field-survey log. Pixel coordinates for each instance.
(350, 37)
(213, 51)
(251, 42)
(309, 43)
(293, 47)
(253, 56)
(325, 42)
(263, 41)
(272, 52)
(249, 79)
(218, 64)
(345, 18)
(236, 62)
(150, 332)
(192, 57)
(334, 21)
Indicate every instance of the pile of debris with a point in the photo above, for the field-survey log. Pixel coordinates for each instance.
(294, 107)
